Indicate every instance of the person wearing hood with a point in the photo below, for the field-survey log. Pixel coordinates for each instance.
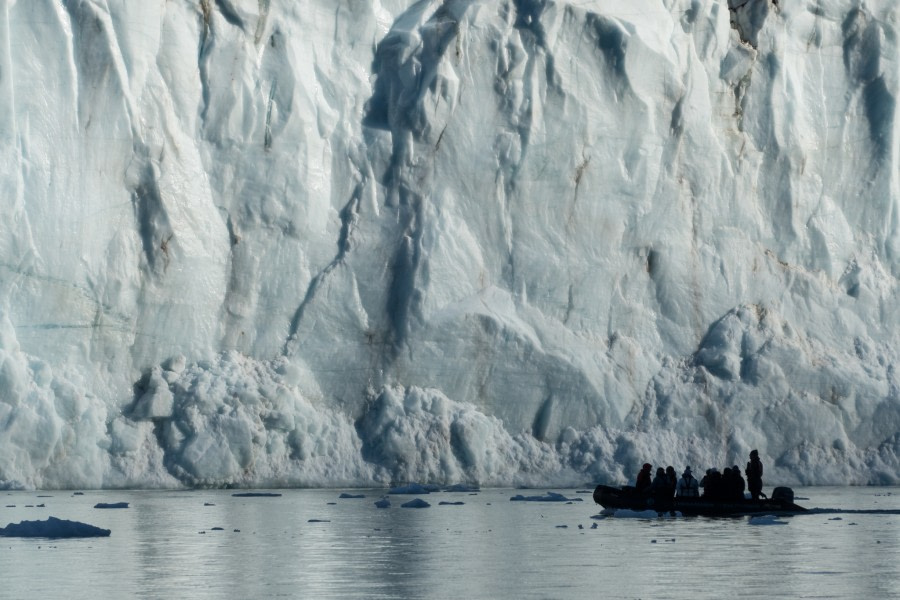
(659, 489)
(727, 492)
(738, 483)
(712, 488)
(688, 486)
(754, 472)
(644, 479)
(673, 480)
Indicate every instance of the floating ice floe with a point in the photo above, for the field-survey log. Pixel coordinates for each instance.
(462, 487)
(624, 513)
(52, 528)
(383, 503)
(766, 520)
(417, 503)
(413, 489)
(346, 496)
(549, 497)
(111, 505)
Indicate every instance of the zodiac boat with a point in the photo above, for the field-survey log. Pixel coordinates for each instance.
(781, 503)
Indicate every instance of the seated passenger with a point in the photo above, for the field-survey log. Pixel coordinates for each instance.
(727, 492)
(659, 489)
(739, 485)
(642, 485)
(673, 480)
(713, 487)
(687, 487)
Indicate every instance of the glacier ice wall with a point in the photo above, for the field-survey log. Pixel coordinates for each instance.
(338, 242)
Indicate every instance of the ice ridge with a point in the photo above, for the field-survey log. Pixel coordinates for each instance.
(514, 242)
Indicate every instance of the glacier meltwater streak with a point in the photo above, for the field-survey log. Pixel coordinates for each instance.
(260, 242)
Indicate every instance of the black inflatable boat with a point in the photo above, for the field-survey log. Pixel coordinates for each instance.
(781, 503)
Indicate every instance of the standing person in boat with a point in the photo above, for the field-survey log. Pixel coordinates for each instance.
(688, 486)
(754, 472)
(644, 479)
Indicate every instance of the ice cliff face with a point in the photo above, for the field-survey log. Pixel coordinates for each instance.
(260, 242)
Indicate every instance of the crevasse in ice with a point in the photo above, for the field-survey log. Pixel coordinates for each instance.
(338, 242)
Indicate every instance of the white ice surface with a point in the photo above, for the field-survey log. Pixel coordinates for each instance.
(494, 242)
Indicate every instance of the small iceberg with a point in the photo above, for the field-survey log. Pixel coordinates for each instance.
(417, 503)
(463, 488)
(414, 489)
(550, 497)
(445, 503)
(256, 495)
(767, 520)
(346, 496)
(111, 505)
(52, 528)
(383, 503)
(624, 513)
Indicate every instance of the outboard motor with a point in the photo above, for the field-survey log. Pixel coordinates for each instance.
(784, 495)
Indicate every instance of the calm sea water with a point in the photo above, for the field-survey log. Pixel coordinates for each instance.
(310, 544)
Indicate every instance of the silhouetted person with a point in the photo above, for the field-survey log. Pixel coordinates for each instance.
(754, 473)
(659, 489)
(673, 479)
(688, 486)
(727, 484)
(739, 486)
(644, 479)
(713, 487)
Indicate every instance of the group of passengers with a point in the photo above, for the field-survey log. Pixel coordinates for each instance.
(727, 485)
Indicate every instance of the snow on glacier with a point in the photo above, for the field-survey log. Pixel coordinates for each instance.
(488, 242)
